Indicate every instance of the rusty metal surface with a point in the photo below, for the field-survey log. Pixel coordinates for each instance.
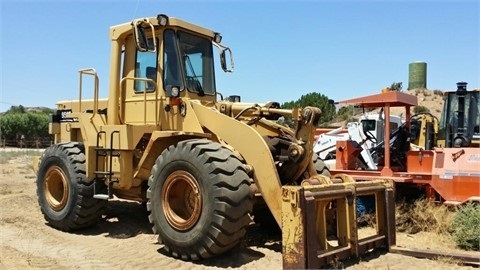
(293, 236)
(392, 98)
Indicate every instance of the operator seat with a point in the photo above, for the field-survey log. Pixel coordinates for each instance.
(399, 146)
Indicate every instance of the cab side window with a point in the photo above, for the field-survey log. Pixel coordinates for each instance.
(146, 67)
(172, 75)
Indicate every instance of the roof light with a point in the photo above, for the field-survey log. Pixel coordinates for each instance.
(217, 38)
(162, 19)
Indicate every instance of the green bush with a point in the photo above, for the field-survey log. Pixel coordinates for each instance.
(420, 109)
(466, 225)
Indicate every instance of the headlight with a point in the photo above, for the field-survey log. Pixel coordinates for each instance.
(175, 91)
(234, 98)
(162, 19)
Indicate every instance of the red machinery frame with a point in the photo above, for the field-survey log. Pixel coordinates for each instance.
(450, 175)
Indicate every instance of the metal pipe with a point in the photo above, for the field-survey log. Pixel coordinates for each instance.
(329, 194)
(461, 92)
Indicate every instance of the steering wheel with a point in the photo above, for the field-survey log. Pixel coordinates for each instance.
(370, 136)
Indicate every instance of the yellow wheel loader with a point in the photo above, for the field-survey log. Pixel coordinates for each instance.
(200, 162)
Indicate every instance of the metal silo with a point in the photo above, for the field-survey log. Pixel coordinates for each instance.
(417, 75)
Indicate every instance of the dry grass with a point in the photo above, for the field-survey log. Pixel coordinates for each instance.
(6, 156)
(417, 216)
(7, 171)
(423, 215)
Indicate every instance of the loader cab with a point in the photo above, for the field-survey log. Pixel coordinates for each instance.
(161, 61)
(460, 120)
(187, 64)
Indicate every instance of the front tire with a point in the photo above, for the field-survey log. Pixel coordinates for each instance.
(200, 199)
(320, 166)
(64, 194)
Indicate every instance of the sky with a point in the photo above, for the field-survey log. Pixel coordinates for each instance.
(282, 49)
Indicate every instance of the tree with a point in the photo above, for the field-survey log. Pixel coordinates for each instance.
(16, 109)
(396, 86)
(17, 123)
(314, 100)
(345, 113)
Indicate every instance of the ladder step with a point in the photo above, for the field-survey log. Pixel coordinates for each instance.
(102, 154)
(100, 148)
(105, 151)
(101, 196)
(101, 151)
(103, 173)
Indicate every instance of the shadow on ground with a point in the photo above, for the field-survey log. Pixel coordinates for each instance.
(375, 254)
(123, 219)
(257, 236)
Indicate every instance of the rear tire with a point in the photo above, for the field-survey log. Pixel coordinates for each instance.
(200, 199)
(64, 194)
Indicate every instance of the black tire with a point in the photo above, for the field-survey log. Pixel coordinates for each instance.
(200, 199)
(322, 169)
(320, 166)
(64, 194)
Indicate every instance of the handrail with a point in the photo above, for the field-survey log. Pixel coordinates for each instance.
(93, 72)
(145, 81)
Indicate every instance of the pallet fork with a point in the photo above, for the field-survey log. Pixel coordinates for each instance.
(306, 240)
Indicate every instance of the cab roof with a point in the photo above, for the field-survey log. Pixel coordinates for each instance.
(391, 98)
(120, 30)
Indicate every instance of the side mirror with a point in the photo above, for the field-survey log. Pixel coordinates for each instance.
(142, 42)
(223, 60)
(141, 39)
(223, 57)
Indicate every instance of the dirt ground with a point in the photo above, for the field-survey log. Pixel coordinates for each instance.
(124, 240)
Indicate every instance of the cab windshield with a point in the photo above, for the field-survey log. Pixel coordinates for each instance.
(195, 56)
(449, 121)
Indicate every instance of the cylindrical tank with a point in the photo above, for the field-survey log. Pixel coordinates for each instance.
(417, 75)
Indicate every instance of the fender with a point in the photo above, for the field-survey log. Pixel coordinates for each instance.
(253, 148)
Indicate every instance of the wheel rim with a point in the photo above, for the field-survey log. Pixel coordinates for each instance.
(56, 188)
(181, 200)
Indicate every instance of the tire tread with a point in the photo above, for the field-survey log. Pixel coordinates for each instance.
(85, 211)
(232, 200)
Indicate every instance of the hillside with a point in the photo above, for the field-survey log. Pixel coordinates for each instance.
(431, 99)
